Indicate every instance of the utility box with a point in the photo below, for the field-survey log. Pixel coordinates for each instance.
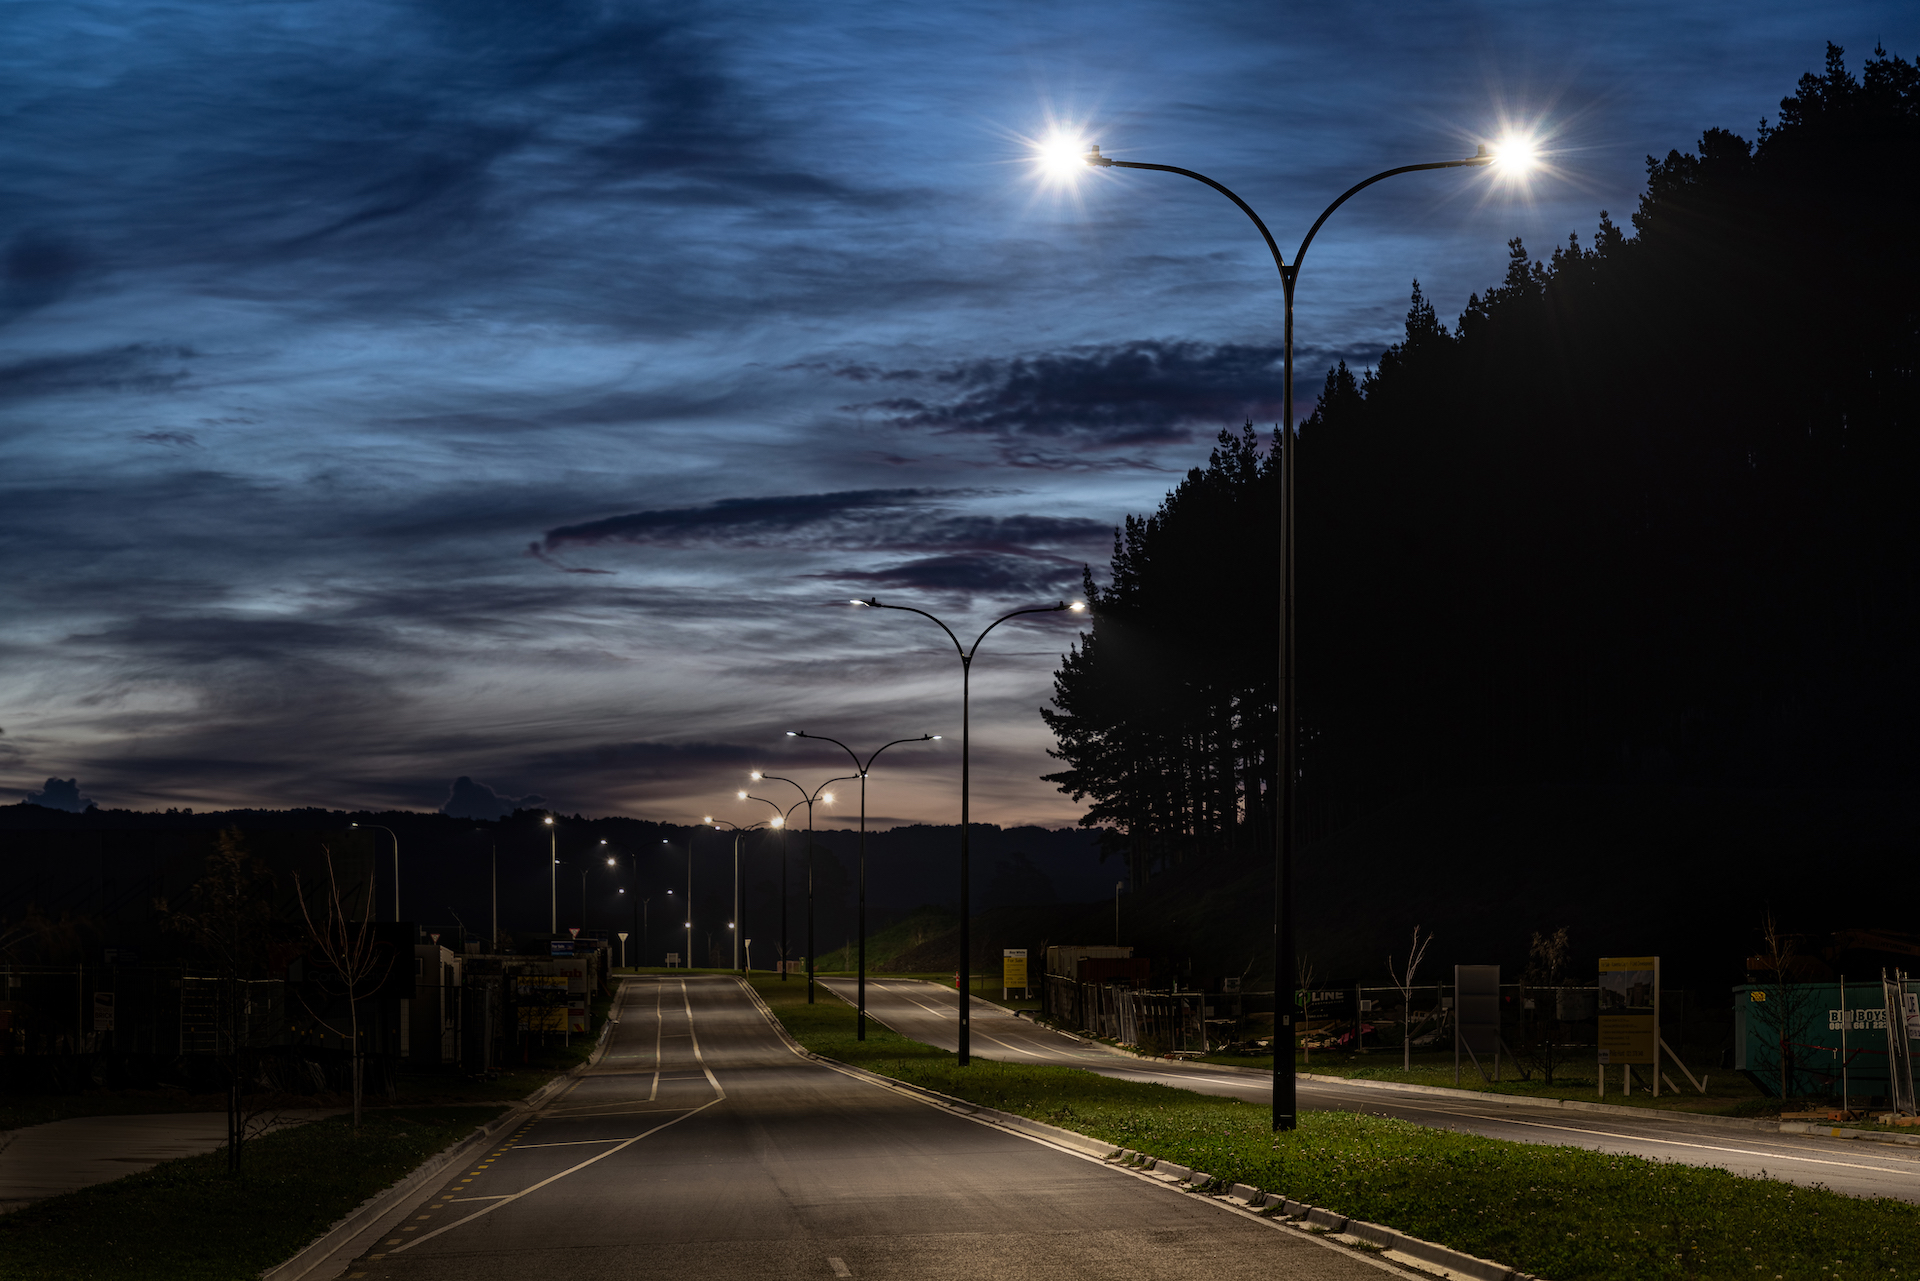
(1808, 1017)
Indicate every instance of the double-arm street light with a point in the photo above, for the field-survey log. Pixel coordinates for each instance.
(781, 821)
(860, 1015)
(396, 866)
(966, 684)
(1513, 156)
(807, 798)
(738, 832)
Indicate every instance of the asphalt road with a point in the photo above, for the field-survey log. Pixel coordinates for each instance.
(926, 1012)
(700, 1146)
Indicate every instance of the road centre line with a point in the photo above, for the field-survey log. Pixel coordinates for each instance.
(576, 1143)
(697, 1056)
(620, 1147)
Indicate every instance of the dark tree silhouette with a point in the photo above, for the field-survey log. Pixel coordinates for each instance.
(1644, 514)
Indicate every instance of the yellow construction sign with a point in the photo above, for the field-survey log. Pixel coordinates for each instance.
(1013, 968)
(1629, 1009)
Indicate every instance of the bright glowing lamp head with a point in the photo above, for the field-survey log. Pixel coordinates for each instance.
(547, 821)
(610, 863)
(793, 733)
(741, 795)
(938, 737)
(1513, 155)
(1077, 606)
(778, 820)
(755, 776)
(707, 819)
(1062, 156)
(828, 798)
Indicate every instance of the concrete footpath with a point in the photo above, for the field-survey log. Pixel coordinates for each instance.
(41, 1161)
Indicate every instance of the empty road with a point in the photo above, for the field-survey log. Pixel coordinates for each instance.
(925, 1012)
(701, 1146)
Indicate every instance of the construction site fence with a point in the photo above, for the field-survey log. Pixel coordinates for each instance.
(68, 1027)
(1355, 1016)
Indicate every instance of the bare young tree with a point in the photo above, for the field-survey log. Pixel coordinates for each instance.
(1548, 957)
(356, 963)
(1782, 1006)
(1416, 952)
(1303, 972)
(230, 924)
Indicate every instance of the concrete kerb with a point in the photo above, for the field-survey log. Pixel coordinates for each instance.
(381, 1204)
(1371, 1239)
(1841, 1132)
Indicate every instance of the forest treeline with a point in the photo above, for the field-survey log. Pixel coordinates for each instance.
(1645, 513)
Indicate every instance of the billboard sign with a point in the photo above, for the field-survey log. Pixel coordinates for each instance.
(1629, 1009)
(1013, 967)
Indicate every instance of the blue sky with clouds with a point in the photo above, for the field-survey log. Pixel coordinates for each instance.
(391, 392)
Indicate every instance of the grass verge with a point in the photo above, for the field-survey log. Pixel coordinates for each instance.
(1563, 1213)
(188, 1220)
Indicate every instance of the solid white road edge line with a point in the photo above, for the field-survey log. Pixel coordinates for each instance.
(859, 1074)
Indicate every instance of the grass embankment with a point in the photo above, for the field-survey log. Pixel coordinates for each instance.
(188, 1220)
(1728, 1093)
(1562, 1213)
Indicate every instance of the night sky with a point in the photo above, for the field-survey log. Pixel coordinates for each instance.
(396, 392)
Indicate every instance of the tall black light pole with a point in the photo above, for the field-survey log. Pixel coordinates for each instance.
(738, 832)
(860, 1016)
(966, 682)
(781, 821)
(396, 865)
(808, 798)
(1285, 980)
(553, 872)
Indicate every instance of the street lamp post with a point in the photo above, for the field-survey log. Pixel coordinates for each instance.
(687, 962)
(808, 798)
(966, 696)
(553, 884)
(781, 820)
(1285, 1000)
(860, 1014)
(738, 832)
(396, 865)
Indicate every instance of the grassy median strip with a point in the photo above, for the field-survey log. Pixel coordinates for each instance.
(1562, 1213)
(188, 1220)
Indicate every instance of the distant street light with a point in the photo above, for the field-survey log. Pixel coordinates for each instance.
(781, 821)
(396, 867)
(687, 963)
(860, 1013)
(738, 832)
(966, 696)
(1513, 156)
(808, 798)
(553, 885)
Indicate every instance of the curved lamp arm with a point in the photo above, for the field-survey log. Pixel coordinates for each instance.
(874, 603)
(966, 655)
(1358, 187)
(1287, 273)
(922, 738)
